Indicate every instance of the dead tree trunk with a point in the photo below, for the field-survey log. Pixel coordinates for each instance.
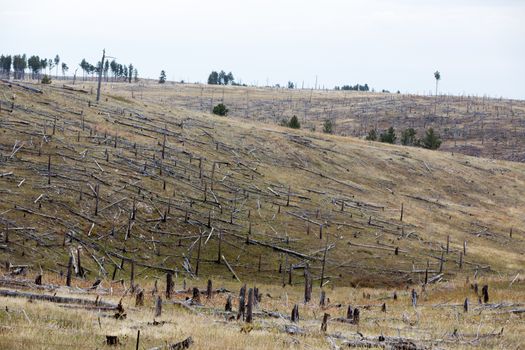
(139, 298)
(295, 313)
(68, 275)
(414, 298)
(196, 296)
(324, 324)
(209, 290)
(228, 306)
(249, 307)
(322, 299)
(158, 306)
(485, 293)
(307, 286)
(169, 285)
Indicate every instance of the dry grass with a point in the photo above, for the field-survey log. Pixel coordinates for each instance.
(437, 321)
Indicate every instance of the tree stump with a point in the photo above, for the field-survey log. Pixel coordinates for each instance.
(68, 276)
(324, 324)
(349, 313)
(196, 296)
(414, 298)
(322, 299)
(158, 306)
(485, 293)
(209, 290)
(169, 285)
(139, 298)
(295, 313)
(356, 316)
(112, 340)
(249, 308)
(228, 306)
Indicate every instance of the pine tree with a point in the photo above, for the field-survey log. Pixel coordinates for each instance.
(57, 61)
(389, 136)
(328, 126)
(431, 140)
(294, 123)
(372, 135)
(408, 137)
(220, 109)
(162, 78)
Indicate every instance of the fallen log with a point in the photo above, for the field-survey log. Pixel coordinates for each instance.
(57, 299)
(70, 88)
(32, 89)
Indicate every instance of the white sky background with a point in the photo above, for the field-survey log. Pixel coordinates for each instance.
(478, 46)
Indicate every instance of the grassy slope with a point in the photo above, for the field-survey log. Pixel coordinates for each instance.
(470, 199)
(467, 198)
(486, 127)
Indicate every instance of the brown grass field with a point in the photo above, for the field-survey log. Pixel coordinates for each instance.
(178, 188)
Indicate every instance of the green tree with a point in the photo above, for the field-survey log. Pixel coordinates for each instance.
(229, 78)
(222, 78)
(220, 109)
(431, 140)
(113, 66)
(372, 135)
(65, 68)
(106, 70)
(130, 72)
(85, 67)
(213, 78)
(162, 78)
(290, 85)
(389, 136)
(57, 61)
(294, 123)
(46, 79)
(408, 137)
(34, 64)
(136, 75)
(43, 64)
(5, 65)
(328, 126)
(19, 66)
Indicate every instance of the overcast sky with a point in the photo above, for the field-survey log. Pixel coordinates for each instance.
(478, 46)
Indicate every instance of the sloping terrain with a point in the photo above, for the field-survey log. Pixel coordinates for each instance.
(137, 186)
(478, 126)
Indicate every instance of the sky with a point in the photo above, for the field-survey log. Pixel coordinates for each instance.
(477, 45)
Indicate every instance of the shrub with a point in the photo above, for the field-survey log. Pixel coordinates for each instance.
(408, 137)
(431, 140)
(294, 123)
(372, 135)
(389, 136)
(220, 109)
(46, 79)
(328, 126)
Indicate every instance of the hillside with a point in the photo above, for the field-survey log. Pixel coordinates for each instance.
(478, 126)
(139, 181)
(132, 193)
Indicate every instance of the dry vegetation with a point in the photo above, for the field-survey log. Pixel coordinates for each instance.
(477, 126)
(137, 186)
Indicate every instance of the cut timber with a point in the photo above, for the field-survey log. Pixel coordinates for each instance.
(67, 87)
(58, 299)
(32, 89)
(230, 268)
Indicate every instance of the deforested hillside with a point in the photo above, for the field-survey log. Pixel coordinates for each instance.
(473, 125)
(135, 186)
